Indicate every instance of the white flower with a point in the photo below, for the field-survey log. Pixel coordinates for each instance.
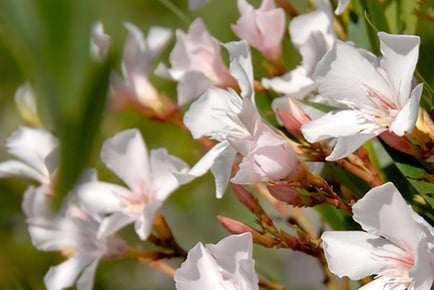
(74, 234)
(196, 63)
(373, 95)
(99, 42)
(396, 247)
(150, 181)
(235, 122)
(227, 265)
(137, 60)
(262, 28)
(312, 34)
(36, 149)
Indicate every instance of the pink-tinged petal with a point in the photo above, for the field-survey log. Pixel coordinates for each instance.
(407, 117)
(163, 168)
(102, 197)
(271, 25)
(400, 54)
(32, 146)
(337, 124)
(342, 4)
(193, 84)
(355, 254)
(262, 28)
(210, 115)
(114, 223)
(135, 59)
(143, 225)
(17, 168)
(221, 169)
(249, 173)
(241, 66)
(346, 145)
(380, 211)
(64, 275)
(126, 155)
(345, 76)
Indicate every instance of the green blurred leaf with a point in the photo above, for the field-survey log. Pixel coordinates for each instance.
(51, 44)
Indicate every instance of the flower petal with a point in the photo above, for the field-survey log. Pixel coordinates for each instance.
(400, 54)
(32, 146)
(126, 155)
(17, 168)
(102, 197)
(337, 124)
(346, 145)
(163, 168)
(64, 275)
(210, 115)
(114, 223)
(354, 253)
(384, 212)
(344, 75)
(241, 66)
(407, 117)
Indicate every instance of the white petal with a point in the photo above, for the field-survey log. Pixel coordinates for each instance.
(342, 4)
(313, 35)
(210, 115)
(199, 271)
(32, 146)
(383, 212)
(355, 253)
(295, 83)
(157, 40)
(205, 163)
(64, 275)
(344, 75)
(407, 117)
(36, 204)
(337, 124)
(346, 145)
(163, 168)
(20, 169)
(144, 223)
(241, 66)
(102, 197)
(87, 277)
(126, 155)
(422, 272)
(113, 223)
(400, 54)
(221, 169)
(192, 85)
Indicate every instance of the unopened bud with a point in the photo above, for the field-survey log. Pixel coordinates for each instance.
(290, 193)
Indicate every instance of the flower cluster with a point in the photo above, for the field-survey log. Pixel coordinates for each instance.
(331, 157)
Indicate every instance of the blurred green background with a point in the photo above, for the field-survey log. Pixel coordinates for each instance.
(47, 43)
